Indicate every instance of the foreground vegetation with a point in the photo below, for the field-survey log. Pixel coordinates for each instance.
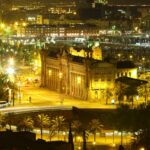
(83, 122)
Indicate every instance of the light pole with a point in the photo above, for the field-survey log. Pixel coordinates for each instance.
(60, 87)
(19, 91)
(137, 98)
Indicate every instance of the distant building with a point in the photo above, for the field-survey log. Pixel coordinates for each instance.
(57, 30)
(127, 69)
(82, 77)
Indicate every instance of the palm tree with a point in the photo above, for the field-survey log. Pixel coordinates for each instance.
(10, 120)
(52, 127)
(95, 126)
(76, 125)
(26, 124)
(124, 119)
(70, 136)
(59, 122)
(42, 120)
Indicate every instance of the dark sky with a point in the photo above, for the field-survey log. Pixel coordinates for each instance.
(130, 2)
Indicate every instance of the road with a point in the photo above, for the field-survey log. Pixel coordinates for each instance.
(44, 97)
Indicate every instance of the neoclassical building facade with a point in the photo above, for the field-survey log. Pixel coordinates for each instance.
(80, 72)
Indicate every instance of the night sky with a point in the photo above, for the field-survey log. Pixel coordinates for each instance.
(130, 2)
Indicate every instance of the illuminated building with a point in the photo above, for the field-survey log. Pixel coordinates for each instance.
(80, 74)
(57, 31)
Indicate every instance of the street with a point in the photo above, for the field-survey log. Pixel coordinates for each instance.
(44, 97)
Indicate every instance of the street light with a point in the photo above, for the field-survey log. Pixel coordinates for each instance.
(2, 25)
(131, 57)
(60, 87)
(50, 72)
(78, 79)
(10, 71)
(112, 101)
(24, 24)
(79, 142)
(60, 75)
(142, 148)
(119, 55)
(137, 98)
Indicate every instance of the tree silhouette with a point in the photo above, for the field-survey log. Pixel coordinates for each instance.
(76, 127)
(25, 124)
(95, 126)
(10, 120)
(51, 127)
(59, 122)
(42, 120)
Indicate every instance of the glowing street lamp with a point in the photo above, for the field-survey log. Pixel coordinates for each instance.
(10, 71)
(143, 58)
(50, 72)
(2, 25)
(16, 24)
(24, 24)
(60, 75)
(113, 101)
(119, 56)
(131, 57)
(142, 148)
(78, 79)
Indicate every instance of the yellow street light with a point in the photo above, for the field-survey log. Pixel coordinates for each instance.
(2, 25)
(60, 75)
(137, 97)
(24, 24)
(79, 147)
(16, 24)
(10, 71)
(131, 56)
(136, 29)
(143, 58)
(50, 72)
(113, 145)
(142, 148)
(112, 101)
(119, 55)
(78, 79)
(79, 138)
